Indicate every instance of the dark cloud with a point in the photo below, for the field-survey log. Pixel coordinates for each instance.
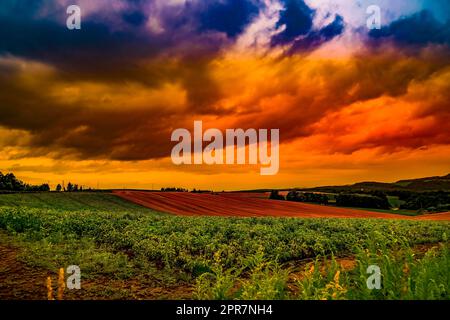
(318, 37)
(96, 49)
(229, 16)
(118, 46)
(113, 44)
(192, 36)
(136, 18)
(23, 8)
(419, 29)
(114, 53)
(297, 20)
(105, 45)
(74, 129)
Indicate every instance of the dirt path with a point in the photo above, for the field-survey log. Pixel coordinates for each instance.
(250, 205)
(18, 281)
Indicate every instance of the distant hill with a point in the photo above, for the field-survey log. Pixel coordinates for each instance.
(414, 185)
(430, 183)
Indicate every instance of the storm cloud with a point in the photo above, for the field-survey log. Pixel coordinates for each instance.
(139, 69)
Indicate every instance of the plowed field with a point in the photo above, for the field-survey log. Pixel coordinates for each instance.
(248, 205)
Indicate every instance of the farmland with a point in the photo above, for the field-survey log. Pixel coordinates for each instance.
(135, 253)
(248, 205)
(71, 201)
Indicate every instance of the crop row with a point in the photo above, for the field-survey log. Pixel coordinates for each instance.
(190, 243)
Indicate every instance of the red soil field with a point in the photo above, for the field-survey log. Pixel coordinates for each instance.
(239, 204)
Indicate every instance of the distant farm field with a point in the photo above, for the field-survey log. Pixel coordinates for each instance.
(126, 251)
(248, 205)
(72, 201)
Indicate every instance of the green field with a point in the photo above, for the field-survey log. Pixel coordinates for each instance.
(174, 257)
(72, 202)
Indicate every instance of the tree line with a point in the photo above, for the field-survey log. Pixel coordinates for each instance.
(9, 182)
(71, 187)
(433, 201)
(375, 200)
(429, 201)
(173, 189)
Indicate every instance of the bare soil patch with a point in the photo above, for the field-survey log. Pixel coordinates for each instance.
(19, 281)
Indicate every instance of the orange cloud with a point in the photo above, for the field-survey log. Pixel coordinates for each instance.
(333, 115)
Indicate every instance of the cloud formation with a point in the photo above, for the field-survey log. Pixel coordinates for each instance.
(137, 70)
(421, 28)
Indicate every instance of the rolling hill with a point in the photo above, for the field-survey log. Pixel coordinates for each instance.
(437, 183)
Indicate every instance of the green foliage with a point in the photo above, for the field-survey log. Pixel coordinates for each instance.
(378, 201)
(9, 182)
(404, 275)
(429, 201)
(188, 242)
(395, 201)
(230, 258)
(256, 279)
(322, 281)
(307, 197)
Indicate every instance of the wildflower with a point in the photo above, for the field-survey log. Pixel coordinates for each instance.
(49, 289)
(311, 270)
(336, 277)
(61, 284)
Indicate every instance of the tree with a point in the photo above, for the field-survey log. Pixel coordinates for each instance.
(307, 197)
(274, 195)
(69, 187)
(58, 188)
(44, 187)
(362, 201)
(9, 182)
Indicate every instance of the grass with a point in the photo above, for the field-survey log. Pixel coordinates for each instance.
(411, 213)
(395, 202)
(72, 202)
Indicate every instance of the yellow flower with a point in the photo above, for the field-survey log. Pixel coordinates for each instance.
(311, 270)
(49, 289)
(61, 284)
(336, 277)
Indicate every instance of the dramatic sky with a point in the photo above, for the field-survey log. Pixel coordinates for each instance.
(98, 105)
